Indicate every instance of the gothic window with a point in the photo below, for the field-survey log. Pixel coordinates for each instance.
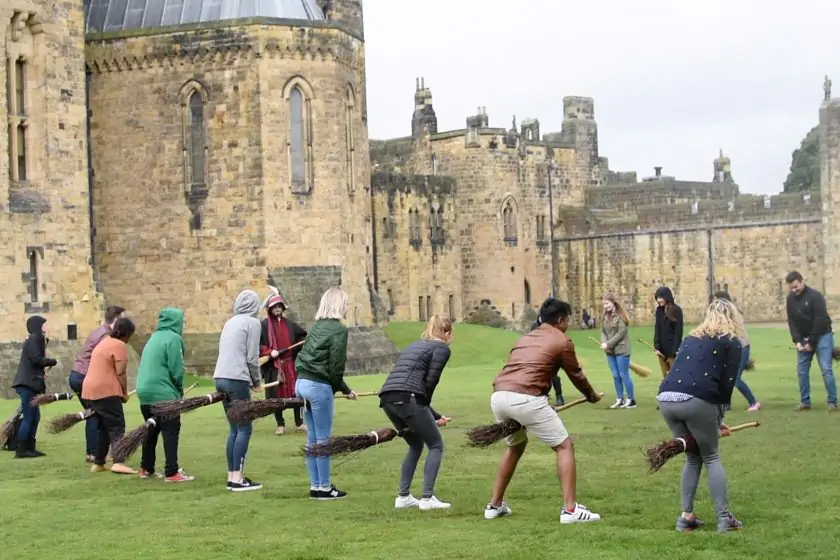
(541, 238)
(350, 107)
(434, 164)
(527, 293)
(436, 225)
(17, 104)
(414, 226)
(451, 307)
(33, 275)
(421, 309)
(197, 143)
(299, 97)
(509, 223)
(428, 307)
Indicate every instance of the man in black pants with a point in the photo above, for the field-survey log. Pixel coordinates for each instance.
(555, 381)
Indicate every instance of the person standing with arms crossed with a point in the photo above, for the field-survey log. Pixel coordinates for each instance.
(810, 329)
(668, 333)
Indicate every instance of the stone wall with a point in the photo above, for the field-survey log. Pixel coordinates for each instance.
(63, 351)
(830, 188)
(44, 221)
(628, 196)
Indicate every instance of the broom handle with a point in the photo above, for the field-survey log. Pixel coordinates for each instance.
(190, 388)
(593, 339)
(649, 345)
(367, 394)
(270, 385)
(265, 359)
(740, 427)
(573, 403)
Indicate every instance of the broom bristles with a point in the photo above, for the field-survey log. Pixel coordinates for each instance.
(661, 453)
(835, 353)
(641, 371)
(131, 441)
(50, 398)
(243, 412)
(487, 435)
(345, 445)
(7, 430)
(169, 409)
(67, 421)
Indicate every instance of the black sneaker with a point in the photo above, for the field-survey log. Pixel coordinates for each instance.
(244, 486)
(332, 494)
(314, 494)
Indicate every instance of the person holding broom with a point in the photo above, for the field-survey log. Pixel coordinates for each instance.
(406, 400)
(277, 335)
(106, 390)
(80, 368)
(320, 368)
(520, 393)
(668, 331)
(740, 384)
(556, 383)
(237, 374)
(160, 377)
(30, 381)
(615, 342)
(693, 399)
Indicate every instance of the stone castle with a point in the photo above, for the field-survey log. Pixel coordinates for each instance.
(163, 152)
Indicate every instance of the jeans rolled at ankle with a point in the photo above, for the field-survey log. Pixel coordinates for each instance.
(803, 370)
(76, 380)
(620, 368)
(239, 435)
(31, 414)
(318, 415)
(699, 419)
(424, 430)
(740, 384)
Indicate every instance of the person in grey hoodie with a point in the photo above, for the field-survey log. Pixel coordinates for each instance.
(237, 374)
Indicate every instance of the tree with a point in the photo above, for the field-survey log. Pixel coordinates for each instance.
(805, 165)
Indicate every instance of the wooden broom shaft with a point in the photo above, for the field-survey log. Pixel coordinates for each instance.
(367, 394)
(265, 359)
(648, 344)
(573, 403)
(190, 388)
(740, 427)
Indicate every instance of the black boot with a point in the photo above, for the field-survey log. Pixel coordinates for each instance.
(22, 451)
(32, 448)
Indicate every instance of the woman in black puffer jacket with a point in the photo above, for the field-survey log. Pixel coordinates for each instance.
(406, 399)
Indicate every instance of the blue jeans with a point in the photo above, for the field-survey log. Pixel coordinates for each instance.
(318, 415)
(92, 423)
(31, 414)
(620, 368)
(239, 435)
(803, 370)
(740, 384)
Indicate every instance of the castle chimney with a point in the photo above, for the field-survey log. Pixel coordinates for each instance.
(658, 171)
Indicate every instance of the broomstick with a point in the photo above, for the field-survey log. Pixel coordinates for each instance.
(129, 443)
(47, 399)
(487, 435)
(835, 352)
(265, 359)
(641, 371)
(166, 410)
(242, 412)
(7, 430)
(658, 455)
(64, 423)
(346, 445)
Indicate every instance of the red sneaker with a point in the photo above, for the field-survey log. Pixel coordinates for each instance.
(180, 476)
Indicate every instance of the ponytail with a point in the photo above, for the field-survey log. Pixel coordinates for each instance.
(437, 328)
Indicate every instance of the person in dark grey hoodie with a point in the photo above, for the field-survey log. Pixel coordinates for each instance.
(668, 333)
(237, 374)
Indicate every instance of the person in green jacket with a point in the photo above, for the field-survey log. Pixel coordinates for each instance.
(160, 377)
(320, 369)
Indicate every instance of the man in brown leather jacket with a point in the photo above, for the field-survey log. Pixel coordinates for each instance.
(520, 393)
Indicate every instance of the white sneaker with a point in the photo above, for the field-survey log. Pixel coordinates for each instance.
(629, 403)
(491, 512)
(433, 503)
(406, 502)
(618, 403)
(580, 515)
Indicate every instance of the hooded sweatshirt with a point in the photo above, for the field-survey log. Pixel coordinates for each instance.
(33, 358)
(668, 334)
(160, 376)
(239, 345)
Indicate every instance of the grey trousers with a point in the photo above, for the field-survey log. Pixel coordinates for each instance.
(424, 430)
(698, 418)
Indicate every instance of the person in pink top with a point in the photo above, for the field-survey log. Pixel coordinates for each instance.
(80, 369)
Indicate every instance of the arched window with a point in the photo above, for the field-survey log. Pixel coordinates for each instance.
(298, 96)
(197, 144)
(349, 112)
(436, 225)
(414, 226)
(527, 293)
(509, 223)
(194, 142)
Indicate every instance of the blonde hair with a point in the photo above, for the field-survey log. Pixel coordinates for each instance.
(722, 319)
(437, 327)
(333, 305)
(619, 309)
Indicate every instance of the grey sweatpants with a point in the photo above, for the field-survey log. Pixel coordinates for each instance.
(423, 430)
(698, 418)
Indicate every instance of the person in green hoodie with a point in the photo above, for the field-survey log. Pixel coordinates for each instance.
(160, 377)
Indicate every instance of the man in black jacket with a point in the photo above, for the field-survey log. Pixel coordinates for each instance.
(810, 329)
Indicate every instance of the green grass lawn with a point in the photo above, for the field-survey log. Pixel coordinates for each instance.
(783, 480)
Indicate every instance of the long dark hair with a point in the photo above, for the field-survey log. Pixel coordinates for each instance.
(123, 329)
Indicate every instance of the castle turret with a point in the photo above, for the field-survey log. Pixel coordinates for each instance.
(579, 126)
(424, 119)
(346, 13)
(723, 169)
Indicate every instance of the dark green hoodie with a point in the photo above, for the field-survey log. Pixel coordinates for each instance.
(160, 376)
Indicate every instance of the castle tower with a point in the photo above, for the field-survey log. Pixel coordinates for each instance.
(424, 119)
(348, 14)
(723, 169)
(830, 196)
(580, 129)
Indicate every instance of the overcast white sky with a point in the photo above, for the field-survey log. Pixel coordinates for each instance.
(673, 81)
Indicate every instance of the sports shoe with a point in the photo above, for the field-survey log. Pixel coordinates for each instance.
(180, 476)
(687, 525)
(728, 523)
(143, 473)
(332, 494)
(301, 429)
(581, 514)
(98, 468)
(559, 402)
(618, 403)
(754, 407)
(280, 431)
(492, 512)
(831, 408)
(313, 493)
(629, 403)
(245, 486)
(427, 504)
(406, 502)
(801, 407)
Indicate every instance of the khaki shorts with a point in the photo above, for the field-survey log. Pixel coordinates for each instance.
(534, 413)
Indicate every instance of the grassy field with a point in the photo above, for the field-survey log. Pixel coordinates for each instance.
(783, 481)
